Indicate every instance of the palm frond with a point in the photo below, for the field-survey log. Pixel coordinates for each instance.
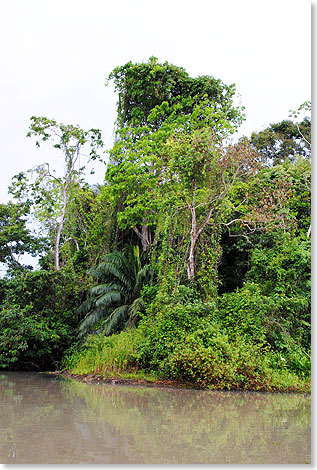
(134, 309)
(101, 289)
(118, 315)
(110, 269)
(108, 299)
(86, 306)
(90, 320)
(144, 276)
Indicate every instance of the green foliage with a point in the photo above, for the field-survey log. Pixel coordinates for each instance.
(281, 271)
(208, 258)
(208, 358)
(116, 299)
(243, 312)
(211, 360)
(199, 351)
(106, 355)
(266, 318)
(291, 356)
(30, 339)
(283, 268)
(149, 93)
(165, 326)
(43, 289)
(36, 319)
(15, 237)
(283, 141)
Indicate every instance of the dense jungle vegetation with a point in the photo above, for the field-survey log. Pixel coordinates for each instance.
(190, 261)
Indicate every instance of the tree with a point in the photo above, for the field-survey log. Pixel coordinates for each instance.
(285, 140)
(276, 199)
(156, 101)
(15, 238)
(37, 323)
(116, 297)
(149, 93)
(303, 130)
(282, 141)
(201, 173)
(50, 194)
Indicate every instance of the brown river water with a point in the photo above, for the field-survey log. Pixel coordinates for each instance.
(49, 420)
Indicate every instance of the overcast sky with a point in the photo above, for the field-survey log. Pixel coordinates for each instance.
(55, 56)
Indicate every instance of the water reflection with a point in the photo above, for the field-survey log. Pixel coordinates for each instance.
(45, 420)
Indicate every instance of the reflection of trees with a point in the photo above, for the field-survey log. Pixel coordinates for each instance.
(48, 421)
(40, 423)
(31, 416)
(177, 426)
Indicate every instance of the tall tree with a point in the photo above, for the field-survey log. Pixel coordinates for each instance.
(201, 172)
(50, 194)
(155, 101)
(148, 93)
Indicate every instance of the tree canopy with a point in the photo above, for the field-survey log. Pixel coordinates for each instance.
(190, 261)
(150, 92)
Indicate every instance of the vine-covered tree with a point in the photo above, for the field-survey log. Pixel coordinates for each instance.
(202, 173)
(156, 101)
(149, 93)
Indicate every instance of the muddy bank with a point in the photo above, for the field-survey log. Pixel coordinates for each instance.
(93, 378)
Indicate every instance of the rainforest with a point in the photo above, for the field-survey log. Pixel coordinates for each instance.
(190, 262)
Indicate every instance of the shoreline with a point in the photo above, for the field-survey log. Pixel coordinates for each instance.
(101, 379)
(156, 383)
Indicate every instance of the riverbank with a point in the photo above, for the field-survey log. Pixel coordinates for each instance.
(148, 381)
(117, 380)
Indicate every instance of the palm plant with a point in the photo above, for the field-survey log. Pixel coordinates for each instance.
(117, 295)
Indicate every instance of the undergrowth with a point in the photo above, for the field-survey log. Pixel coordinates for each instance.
(205, 357)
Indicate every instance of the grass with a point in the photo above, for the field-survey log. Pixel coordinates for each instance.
(107, 356)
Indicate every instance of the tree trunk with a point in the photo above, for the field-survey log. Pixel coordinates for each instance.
(191, 261)
(144, 236)
(194, 236)
(309, 231)
(59, 229)
(193, 239)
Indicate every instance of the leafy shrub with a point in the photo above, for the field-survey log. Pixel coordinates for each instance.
(291, 356)
(247, 311)
(30, 341)
(209, 359)
(289, 317)
(244, 311)
(164, 326)
(36, 321)
(284, 268)
(50, 290)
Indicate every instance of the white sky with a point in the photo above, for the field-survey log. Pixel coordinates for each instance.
(55, 56)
